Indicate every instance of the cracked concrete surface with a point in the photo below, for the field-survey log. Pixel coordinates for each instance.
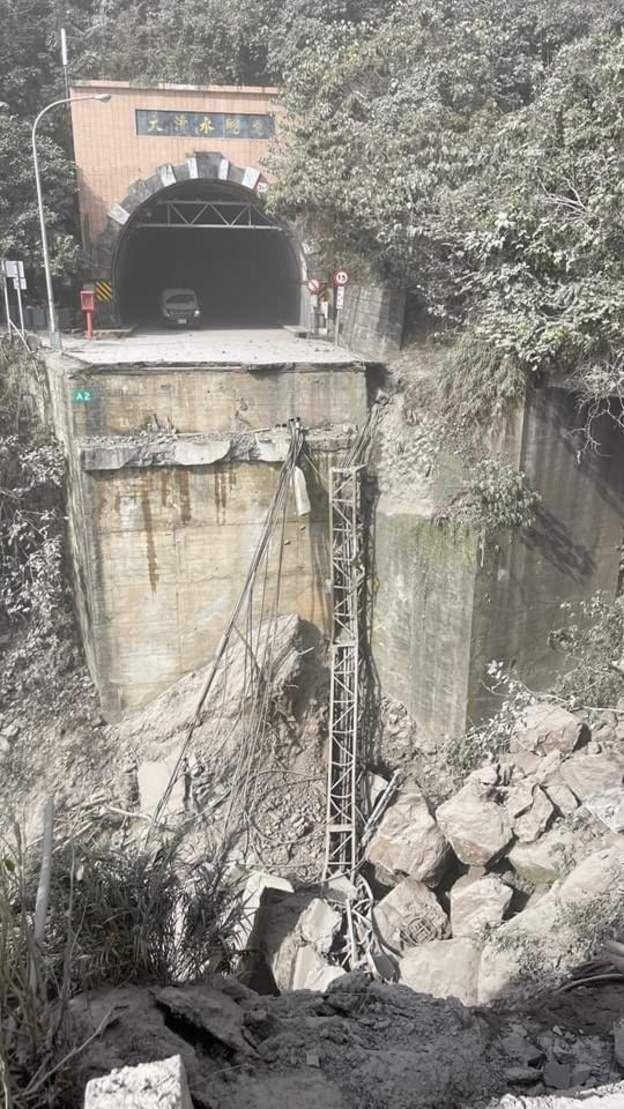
(249, 346)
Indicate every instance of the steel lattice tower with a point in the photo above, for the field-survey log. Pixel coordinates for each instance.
(343, 810)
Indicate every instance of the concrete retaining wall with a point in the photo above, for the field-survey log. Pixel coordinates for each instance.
(423, 617)
(373, 320)
(574, 549)
(443, 612)
(169, 490)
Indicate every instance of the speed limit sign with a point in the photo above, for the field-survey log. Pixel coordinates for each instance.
(341, 278)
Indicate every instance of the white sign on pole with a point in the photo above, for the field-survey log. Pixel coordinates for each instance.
(11, 268)
(340, 297)
(19, 283)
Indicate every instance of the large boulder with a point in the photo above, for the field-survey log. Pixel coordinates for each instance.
(320, 924)
(530, 825)
(548, 938)
(257, 889)
(551, 856)
(408, 841)
(409, 914)
(294, 932)
(477, 828)
(608, 807)
(277, 933)
(587, 775)
(547, 727)
(443, 968)
(478, 904)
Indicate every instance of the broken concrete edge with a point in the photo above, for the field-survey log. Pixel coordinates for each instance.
(163, 448)
(156, 1085)
(598, 1097)
(74, 367)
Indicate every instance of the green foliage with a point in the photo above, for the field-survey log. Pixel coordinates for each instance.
(33, 1017)
(473, 153)
(593, 643)
(491, 739)
(253, 42)
(495, 496)
(499, 496)
(191, 41)
(32, 483)
(19, 218)
(474, 387)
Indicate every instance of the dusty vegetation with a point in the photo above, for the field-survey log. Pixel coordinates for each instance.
(116, 915)
(504, 224)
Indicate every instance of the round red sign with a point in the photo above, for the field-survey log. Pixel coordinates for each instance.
(341, 277)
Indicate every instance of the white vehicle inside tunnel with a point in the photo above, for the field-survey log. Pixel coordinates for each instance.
(216, 240)
(180, 308)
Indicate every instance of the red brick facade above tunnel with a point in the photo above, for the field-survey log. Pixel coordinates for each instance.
(169, 143)
(140, 130)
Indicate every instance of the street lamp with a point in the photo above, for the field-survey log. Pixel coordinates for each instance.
(56, 343)
(4, 107)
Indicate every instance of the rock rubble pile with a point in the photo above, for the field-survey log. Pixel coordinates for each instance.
(359, 1044)
(508, 880)
(503, 888)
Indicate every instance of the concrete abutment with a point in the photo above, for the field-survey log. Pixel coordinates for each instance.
(173, 468)
(172, 471)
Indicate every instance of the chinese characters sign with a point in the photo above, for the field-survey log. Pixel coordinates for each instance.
(205, 125)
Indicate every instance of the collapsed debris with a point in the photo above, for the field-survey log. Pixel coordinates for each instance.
(607, 1097)
(356, 1044)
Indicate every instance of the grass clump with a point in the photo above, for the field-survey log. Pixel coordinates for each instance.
(116, 914)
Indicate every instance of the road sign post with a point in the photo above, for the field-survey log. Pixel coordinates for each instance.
(7, 306)
(17, 285)
(340, 281)
(15, 270)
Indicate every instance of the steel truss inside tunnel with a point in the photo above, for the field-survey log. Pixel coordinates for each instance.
(188, 236)
(242, 215)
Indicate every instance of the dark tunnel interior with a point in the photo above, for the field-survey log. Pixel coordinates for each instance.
(242, 277)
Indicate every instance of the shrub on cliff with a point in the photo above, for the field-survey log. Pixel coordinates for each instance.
(473, 153)
(32, 519)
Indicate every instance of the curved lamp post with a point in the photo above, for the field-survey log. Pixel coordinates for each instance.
(56, 342)
(4, 107)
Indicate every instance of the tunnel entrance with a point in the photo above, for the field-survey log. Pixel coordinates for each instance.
(214, 238)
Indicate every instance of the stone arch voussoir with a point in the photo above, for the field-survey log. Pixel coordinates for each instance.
(202, 165)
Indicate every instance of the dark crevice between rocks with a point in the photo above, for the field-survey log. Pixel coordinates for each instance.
(198, 1038)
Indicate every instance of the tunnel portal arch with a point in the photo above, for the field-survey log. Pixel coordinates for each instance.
(202, 225)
